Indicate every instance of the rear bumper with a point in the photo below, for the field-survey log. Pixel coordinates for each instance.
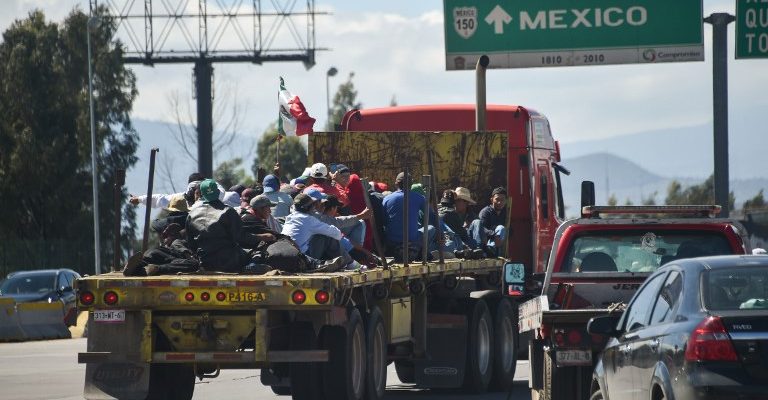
(728, 393)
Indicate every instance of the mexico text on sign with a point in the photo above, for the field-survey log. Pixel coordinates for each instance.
(751, 28)
(535, 33)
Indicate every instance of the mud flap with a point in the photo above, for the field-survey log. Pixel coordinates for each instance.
(446, 352)
(535, 363)
(116, 361)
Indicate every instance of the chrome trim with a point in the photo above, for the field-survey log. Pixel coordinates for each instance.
(748, 335)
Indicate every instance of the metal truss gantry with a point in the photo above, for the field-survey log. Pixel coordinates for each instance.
(204, 32)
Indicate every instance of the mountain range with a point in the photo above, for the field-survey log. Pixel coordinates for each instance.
(630, 167)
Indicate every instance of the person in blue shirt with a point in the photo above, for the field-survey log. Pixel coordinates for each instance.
(394, 207)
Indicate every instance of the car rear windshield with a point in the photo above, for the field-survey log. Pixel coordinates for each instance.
(639, 251)
(28, 284)
(738, 288)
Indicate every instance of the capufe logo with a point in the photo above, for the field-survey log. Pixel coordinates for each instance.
(649, 55)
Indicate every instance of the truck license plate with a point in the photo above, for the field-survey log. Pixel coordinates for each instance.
(109, 316)
(573, 357)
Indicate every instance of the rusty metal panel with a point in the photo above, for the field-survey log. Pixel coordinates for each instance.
(476, 160)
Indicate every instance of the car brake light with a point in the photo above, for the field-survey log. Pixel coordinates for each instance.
(87, 298)
(574, 337)
(709, 341)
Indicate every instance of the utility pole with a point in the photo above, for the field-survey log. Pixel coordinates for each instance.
(720, 23)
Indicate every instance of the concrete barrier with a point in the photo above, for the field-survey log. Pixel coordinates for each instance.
(10, 330)
(42, 320)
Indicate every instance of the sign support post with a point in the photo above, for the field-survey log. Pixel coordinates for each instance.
(720, 23)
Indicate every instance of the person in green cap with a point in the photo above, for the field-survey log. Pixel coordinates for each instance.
(214, 232)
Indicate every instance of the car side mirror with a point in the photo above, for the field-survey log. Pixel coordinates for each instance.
(604, 325)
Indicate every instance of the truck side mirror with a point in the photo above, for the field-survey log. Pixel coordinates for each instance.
(514, 279)
(587, 194)
(604, 325)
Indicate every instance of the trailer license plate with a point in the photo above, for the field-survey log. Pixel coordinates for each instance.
(109, 316)
(247, 297)
(573, 357)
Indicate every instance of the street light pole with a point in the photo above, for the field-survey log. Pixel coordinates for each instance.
(331, 72)
(94, 171)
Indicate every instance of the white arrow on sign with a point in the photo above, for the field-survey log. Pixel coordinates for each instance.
(498, 17)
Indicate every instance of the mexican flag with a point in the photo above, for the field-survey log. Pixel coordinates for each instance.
(294, 119)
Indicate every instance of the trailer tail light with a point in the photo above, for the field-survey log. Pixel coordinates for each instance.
(299, 297)
(322, 297)
(189, 296)
(709, 341)
(221, 296)
(205, 296)
(110, 298)
(574, 337)
(87, 298)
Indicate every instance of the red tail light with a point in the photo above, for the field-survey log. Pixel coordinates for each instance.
(322, 297)
(710, 342)
(110, 298)
(299, 297)
(87, 298)
(205, 296)
(574, 337)
(221, 296)
(189, 296)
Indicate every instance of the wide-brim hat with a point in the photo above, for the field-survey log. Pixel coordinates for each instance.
(463, 193)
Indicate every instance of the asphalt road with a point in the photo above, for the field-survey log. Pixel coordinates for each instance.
(48, 370)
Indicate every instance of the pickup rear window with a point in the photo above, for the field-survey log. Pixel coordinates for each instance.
(639, 251)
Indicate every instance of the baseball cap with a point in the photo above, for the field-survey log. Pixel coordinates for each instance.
(302, 201)
(315, 194)
(271, 184)
(401, 177)
(209, 190)
(262, 201)
(341, 168)
(318, 170)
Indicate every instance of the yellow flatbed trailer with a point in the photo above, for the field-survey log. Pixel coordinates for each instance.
(150, 337)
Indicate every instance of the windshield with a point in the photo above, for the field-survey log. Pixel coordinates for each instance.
(741, 288)
(639, 251)
(28, 284)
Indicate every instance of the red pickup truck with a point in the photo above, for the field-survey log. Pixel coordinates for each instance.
(597, 263)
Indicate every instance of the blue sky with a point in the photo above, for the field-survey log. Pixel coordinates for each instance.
(395, 48)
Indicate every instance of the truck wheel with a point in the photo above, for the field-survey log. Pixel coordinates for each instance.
(479, 369)
(406, 373)
(305, 377)
(376, 368)
(505, 346)
(344, 375)
(171, 382)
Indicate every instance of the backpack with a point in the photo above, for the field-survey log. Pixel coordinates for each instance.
(284, 255)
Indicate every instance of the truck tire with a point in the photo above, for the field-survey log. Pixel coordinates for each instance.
(305, 377)
(376, 368)
(479, 363)
(505, 346)
(406, 372)
(171, 382)
(344, 374)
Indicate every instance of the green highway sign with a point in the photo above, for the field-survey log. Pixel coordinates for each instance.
(751, 29)
(535, 33)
